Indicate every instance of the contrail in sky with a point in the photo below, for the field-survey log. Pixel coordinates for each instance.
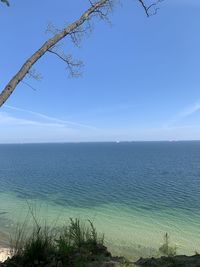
(46, 117)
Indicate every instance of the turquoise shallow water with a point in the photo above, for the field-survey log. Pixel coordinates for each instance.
(134, 192)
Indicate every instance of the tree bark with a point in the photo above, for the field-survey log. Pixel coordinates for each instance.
(11, 86)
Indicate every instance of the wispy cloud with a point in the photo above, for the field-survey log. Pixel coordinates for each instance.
(186, 112)
(190, 110)
(50, 118)
(22, 130)
(7, 119)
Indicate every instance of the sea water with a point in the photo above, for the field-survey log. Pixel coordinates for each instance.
(134, 192)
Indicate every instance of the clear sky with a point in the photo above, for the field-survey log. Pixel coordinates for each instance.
(141, 79)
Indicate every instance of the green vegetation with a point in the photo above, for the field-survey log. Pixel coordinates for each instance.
(78, 244)
(73, 245)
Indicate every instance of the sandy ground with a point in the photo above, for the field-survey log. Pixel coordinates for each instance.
(4, 254)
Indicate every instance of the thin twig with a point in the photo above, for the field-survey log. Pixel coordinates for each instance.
(29, 85)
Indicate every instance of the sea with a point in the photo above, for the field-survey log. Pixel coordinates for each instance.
(133, 192)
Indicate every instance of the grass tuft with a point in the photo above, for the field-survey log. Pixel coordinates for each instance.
(72, 245)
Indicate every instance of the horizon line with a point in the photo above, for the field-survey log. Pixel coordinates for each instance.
(86, 142)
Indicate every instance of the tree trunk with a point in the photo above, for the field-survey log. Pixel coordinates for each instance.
(10, 87)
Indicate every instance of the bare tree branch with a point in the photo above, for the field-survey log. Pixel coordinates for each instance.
(148, 8)
(52, 29)
(27, 84)
(77, 34)
(74, 66)
(32, 73)
(5, 2)
(10, 87)
(75, 30)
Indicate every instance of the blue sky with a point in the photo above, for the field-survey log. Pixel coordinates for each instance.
(140, 80)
